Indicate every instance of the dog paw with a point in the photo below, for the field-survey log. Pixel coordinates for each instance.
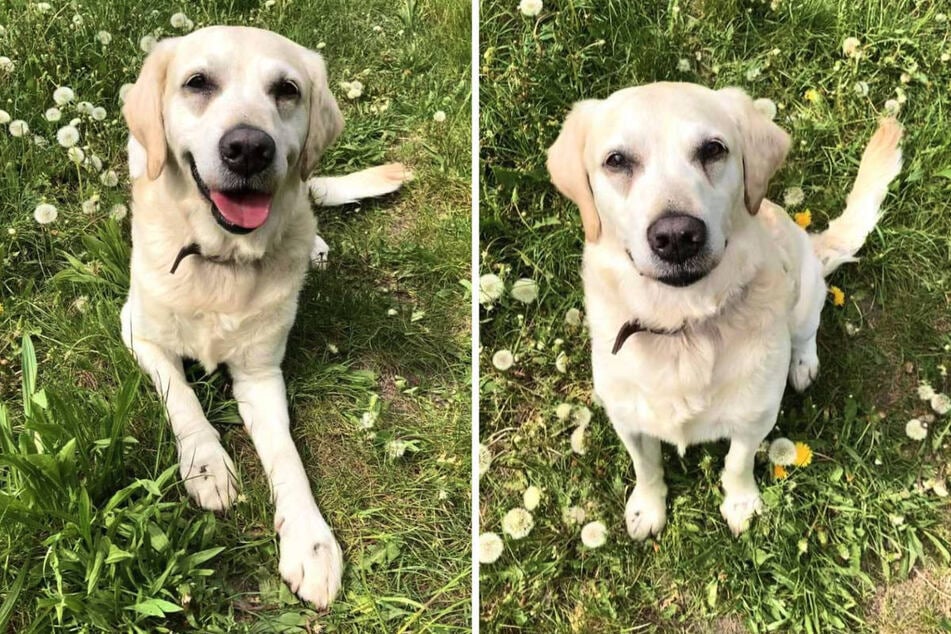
(739, 509)
(208, 472)
(645, 514)
(319, 253)
(803, 370)
(311, 559)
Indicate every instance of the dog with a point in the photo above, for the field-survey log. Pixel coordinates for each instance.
(702, 297)
(221, 148)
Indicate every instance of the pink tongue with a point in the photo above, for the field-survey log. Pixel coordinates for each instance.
(248, 211)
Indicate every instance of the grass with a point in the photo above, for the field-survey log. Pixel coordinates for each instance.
(96, 531)
(839, 537)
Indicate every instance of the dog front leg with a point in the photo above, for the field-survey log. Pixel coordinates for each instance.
(646, 510)
(311, 561)
(741, 495)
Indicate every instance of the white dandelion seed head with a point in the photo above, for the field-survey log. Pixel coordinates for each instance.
(581, 415)
(861, 88)
(124, 91)
(109, 178)
(45, 213)
(793, 196)
(892, 107)
(916, 429)
(941, 404)
(96, 162)
(594, 534)
(578, 440)
(925, 391)
(178, 20)
(6, 64)
(766, 107)
(683, 65)
(67, 136)
(503, 360)
(39, 141)
(147, 43)
(4, 117)
(91, 205)
(782, 452)
(573, 515)
(531, 8)
(517, 523)
(531, 498)
(63, 95)
(485, 459)
(53, 114)
(354, 93)
(563, 411)
(573, 317)
(439, 116)
(561, 362)
(84, 107)
(104, 37)
(19, 127)
(753, 73)
(78, 20)
(491, 288)
(490, 548)
(850, 47)
(945, 57)
(524, 290)
(940, 17)
(80, 304)
(98, 113)
(76, 154)
(118, 212)
(396, 448)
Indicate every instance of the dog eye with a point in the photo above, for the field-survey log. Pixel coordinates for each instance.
(285, 89)
(199, 83)
(617, 161)
(711, 151)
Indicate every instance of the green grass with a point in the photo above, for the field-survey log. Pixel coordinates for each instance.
(96, 531)
(836, 535)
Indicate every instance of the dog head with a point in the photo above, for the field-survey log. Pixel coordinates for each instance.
(234, 112)
(667, 171)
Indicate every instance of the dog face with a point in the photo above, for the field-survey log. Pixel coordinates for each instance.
(237, 113)
(666, 171)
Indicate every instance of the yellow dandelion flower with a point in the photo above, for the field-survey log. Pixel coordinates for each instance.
(779, 472)
(838, 297)
(812, 95)
(803, 455)
(803, 218)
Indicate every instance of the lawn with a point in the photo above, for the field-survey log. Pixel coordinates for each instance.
(96, 531)
(858, 540)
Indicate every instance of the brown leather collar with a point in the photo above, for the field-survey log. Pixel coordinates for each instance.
(194, 249)
(634, 327)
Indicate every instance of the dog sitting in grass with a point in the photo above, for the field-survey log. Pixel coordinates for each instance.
(702, 296)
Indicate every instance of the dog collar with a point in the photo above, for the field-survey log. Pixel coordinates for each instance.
(633, 327)
(194, 249)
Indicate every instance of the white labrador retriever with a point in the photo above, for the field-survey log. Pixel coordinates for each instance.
(702, 297)
(227, 124)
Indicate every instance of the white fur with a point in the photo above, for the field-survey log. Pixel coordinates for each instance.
(747, 325)
(238, 313)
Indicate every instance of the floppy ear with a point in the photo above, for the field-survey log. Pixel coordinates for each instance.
(765, 145)
(567, 170)
(326, 122)
(143, 106)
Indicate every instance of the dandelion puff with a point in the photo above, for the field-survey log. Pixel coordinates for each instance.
(80, 304)
(6, 64)
(78, 20)
(147, 43)
(91, 205)
(793, 196)
(490, 288)
(396, 448)
(96, 162)
(850, 47)
(76, 154)
(941, 404)
(892, 107)
(485, 459)
(517, 523)
(179, 20)
(573, 317)
(581, 415)
(104, 37)
(861, 88)
(63, 95)
(561, 362)
(683, 65)
(45, 213)
(563, 411)
(531, 498)
(754, 73)
(490, 548)
(503, 360)
(98, 113)
(53, 114)
(578, 440)
(118, 212)
(439, 116)
(803, 455)
(594, 534)
(767, 107)
(67, 136)
(124, 92)
(782, 452)
(109, 178)
(530, 8)
(525, 290)
(18, 128)
(925, 391)
(573, 515)
(916, 430)
(4, 117)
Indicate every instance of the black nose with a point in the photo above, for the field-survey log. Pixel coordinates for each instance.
(246, 150)
(676, 238)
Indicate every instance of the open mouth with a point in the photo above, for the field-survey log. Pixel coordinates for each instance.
(239, 211)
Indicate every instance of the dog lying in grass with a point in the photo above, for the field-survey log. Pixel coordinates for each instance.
(222, 146)
(702, 296)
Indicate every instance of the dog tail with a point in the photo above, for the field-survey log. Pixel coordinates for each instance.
(329, 191)
(881, 162)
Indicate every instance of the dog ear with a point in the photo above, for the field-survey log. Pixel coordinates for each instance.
(765, 145)
(143, 106)
(566, 166)
(326, 122)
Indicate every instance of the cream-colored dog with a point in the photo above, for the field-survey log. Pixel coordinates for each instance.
(227, 124)
(702, 297)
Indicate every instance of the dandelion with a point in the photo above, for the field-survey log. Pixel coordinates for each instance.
(396, 448)
(84, 107)
(109, 178)
(118, 212)
(577, 440)
(45, 213)
(594, 534)
(80, 304)
(503, 360)
(563, 411)
(925, 391)
(525, 290)
(803, 455)
(98, 113)
(850, 47)
(916, 430)
(573, 317)
(147, 43)
(861, 88)
(812, 95)
(561, 362)
(517, 523)
(77, 20)
(53, 114)
(793, 196)
(838, 296)
(753, 73)
(67, 136)
(485, 459)
(43, 7)
(104, 37)
(582, 415)
(573, 515)
(782, 452)
(96, 162)
(91, 205)
(179, 20)
(4, 117)
(439, 116)
(63, 95)
(767, 107)
(76, 154)
(392, 312)
(803, 218)
(6, 64)
(892, 107)
(490, 548)
(531, 8)
(490, 288)
(780, 472)
(19, 127)
(531, 498)
(940, 488)
(683, 65)
(354, 88)
(124, 91)
(941, 404)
